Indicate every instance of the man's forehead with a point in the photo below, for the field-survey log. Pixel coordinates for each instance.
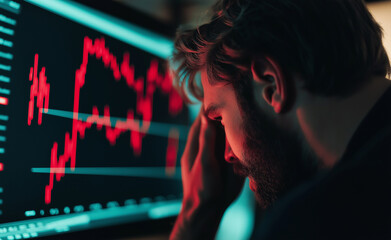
(208, 81)
(210, 91)
(204, 77)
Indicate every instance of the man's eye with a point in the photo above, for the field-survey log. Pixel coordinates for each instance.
(218, 119)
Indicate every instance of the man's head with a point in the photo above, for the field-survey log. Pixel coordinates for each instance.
(255, 54)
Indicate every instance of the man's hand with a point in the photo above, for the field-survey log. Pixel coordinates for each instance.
(209, 185)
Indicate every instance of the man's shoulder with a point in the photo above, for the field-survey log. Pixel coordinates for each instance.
(352, 200)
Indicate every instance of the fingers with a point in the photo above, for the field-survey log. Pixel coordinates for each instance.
(207, 143)
(192, 144)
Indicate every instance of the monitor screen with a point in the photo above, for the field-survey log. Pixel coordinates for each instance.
(90, 125)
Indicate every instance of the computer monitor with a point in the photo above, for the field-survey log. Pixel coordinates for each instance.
(91, 127)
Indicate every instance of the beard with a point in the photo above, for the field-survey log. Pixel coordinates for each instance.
(274, 159)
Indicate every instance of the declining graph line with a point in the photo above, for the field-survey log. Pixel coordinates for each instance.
(144, 89)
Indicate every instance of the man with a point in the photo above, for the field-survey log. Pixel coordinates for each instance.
(300, 88)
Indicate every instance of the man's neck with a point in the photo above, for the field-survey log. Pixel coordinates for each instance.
(328, 123)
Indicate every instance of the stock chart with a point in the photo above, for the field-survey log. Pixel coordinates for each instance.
(88, 122)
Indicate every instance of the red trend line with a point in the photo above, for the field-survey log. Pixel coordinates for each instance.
(144, 107)
(40, 90)
(3, 101)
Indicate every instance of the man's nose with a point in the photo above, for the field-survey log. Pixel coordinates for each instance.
(228, 154)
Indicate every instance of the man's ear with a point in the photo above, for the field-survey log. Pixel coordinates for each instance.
(268, 73)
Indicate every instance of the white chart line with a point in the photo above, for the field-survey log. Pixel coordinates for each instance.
(146, 172)
(156, 128)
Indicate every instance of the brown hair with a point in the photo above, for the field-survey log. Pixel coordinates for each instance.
(334, 45)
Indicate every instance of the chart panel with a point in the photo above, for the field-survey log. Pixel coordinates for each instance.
(88, 123)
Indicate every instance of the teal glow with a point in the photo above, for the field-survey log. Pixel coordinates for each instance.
(112, 204)
(89, 219)
(6, 42)
(54, 211)
(146, 172)
(4, 79)
(78, 208)
(238, 220)
(68, 222)
(26, 235)
(67, 210)
(130, 203)
(3, 139)
(2, 150)
(6, 55)
(30, 213)
(3, 128)
(194, 110)
(167, 210)
(5, 67)
(156, 128)
(10, 5)
(14, 5)
(122, 30)
(4, 117)
(5, 91)
(7, 20)
(1, 190)
(7, 30)
(95, 206)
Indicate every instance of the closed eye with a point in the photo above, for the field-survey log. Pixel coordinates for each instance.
(218, 119)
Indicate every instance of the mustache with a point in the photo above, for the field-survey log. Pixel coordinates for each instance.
(240, 170)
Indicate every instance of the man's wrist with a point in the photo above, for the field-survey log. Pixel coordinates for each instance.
(198, 222)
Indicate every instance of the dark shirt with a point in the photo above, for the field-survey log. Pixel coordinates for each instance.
(352, 200)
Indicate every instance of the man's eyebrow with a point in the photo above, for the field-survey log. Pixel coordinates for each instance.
(211, 109)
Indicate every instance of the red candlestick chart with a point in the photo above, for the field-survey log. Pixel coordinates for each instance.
(39, 90)
(138, 128)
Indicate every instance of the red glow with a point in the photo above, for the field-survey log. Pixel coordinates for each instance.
(39, 89)
(3, 101)
(1, 167)
(144, 107)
